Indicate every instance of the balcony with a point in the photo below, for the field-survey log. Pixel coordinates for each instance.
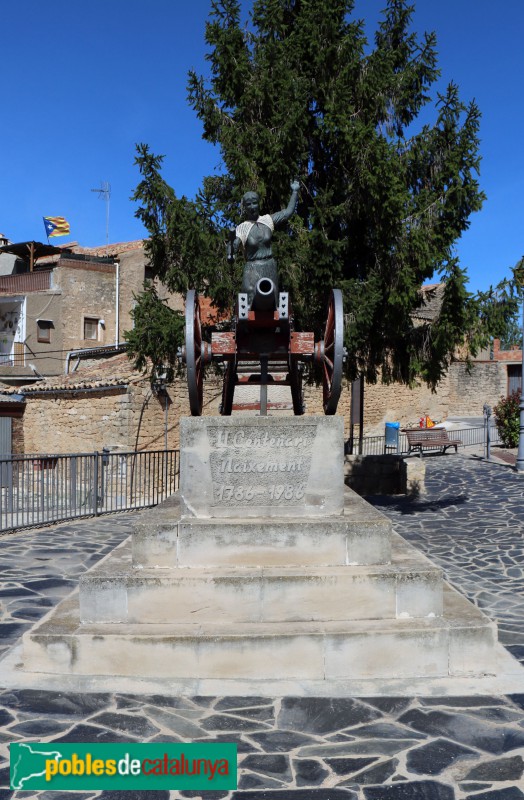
(26, 282)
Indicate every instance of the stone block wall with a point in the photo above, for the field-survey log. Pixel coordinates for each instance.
(76, 422)
(385, 474)
(399, 403)
(369, 475)
(88, 290)
(468, 391)
(47, 359)
(116, 417)
(314, 403)
(17, 435)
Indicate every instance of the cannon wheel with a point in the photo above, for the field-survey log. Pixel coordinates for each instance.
(333, 353)
(194, 359)
(228, 388)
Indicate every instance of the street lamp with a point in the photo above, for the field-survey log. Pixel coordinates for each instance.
(519, 466)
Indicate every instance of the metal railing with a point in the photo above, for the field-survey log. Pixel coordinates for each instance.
(470, 437)
(46, 488)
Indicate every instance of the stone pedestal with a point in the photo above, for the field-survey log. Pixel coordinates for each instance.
(264, 570)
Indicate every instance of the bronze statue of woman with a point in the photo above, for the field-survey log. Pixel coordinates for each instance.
(255, 235)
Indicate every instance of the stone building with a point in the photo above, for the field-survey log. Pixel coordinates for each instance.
(104, 403)
(512, 361)
(55, 301)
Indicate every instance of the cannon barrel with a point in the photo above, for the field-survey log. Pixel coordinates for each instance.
(265, 295)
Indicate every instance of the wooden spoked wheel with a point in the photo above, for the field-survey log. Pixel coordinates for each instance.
(228, 388)
(331, 353)
(194, 353)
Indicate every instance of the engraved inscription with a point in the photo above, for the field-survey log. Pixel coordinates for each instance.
(251, 466)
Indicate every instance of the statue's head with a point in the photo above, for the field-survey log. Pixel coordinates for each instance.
(251, 206)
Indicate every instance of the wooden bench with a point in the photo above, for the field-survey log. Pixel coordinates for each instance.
(430, 438)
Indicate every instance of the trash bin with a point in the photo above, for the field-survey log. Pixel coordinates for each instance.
(392, 436)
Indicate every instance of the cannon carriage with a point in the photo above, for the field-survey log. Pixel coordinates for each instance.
(262, 348)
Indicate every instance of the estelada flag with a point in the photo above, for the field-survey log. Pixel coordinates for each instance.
(56, 226)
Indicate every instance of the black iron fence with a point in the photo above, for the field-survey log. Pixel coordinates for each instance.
(40, 489)
(470, 437)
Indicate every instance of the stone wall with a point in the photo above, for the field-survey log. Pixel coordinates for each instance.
(48, 358)
(314, 403)
(88, 290)
(385, 474)
(17, 435)
(117, 417)
(369, 475)
(132, 273)
(399, 403)
(485, 383)
(76, 422)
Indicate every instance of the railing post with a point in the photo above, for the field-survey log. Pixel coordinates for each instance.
(95, 482)
(105, 461)
(72, 483)
(487, 420)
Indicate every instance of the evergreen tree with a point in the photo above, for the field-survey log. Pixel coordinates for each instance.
(298, 93)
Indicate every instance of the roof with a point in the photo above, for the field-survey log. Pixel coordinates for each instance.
(432, 297)
(109, 250)
(13, 397)
(108, 373)
(22, 249)
(104, 251)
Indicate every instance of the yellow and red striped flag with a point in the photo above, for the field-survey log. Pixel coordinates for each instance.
(56, 226)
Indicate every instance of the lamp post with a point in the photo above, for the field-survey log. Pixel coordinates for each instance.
(519, 466)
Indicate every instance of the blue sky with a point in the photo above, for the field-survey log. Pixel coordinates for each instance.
(82, 82)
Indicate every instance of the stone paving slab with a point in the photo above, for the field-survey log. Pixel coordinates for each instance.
(471, 523)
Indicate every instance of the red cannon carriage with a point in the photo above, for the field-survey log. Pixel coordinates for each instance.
(262, 348)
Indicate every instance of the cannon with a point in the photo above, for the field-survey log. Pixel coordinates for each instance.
(262, 348)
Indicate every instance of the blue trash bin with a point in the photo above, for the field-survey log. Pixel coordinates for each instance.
(392, 436)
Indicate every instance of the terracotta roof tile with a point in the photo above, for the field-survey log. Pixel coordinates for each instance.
(109, 371)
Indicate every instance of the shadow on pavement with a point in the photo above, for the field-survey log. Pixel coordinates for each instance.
(408, 505)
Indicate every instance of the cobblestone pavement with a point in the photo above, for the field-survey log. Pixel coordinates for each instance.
(471, 522)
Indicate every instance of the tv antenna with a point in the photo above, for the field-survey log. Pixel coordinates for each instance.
(105, 192)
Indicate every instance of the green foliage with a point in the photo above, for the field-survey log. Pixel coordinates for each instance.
(507, 418)
(512, 332)
(512, 336)
(299, 92)
(157, 330)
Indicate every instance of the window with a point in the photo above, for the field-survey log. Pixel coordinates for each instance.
(514, 378)
(91, 328)
(43, 330)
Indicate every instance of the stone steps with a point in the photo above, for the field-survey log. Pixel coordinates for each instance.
(360, 535)
(114, 591)
(462, 642)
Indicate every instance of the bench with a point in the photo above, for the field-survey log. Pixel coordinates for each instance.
(430, 438)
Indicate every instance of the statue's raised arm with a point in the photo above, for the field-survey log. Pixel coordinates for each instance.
(254, 235)
(287, 213)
